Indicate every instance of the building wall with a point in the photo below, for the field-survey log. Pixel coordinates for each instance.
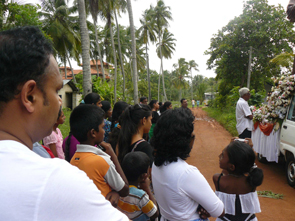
(66, 89)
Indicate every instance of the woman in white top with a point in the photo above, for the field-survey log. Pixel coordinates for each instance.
(179, 187)
(236, 186)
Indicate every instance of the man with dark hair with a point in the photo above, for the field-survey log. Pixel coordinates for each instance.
(143, 100)
(183, 102)
(34, 188)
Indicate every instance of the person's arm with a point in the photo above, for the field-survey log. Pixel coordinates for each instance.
(52, 147)
(250, 117)
(145, 185)
(109, 150)
(203, 195)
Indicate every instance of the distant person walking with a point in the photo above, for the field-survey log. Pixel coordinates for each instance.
(243, 114)
(193, 103)
(198, 103)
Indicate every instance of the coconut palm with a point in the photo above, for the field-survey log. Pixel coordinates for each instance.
(134, 63)
(165, 49)
(192, 65)
(181, 72)
(61, 27)
(147, 33)
(161, 16)
(87, 85)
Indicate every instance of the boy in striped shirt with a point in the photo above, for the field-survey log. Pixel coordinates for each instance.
(140, 204)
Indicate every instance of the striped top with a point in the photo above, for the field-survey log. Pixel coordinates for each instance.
(137, 205)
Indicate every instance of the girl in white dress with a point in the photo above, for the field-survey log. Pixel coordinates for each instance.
(236, 186)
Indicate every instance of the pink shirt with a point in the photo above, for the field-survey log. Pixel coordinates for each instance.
(55, 138)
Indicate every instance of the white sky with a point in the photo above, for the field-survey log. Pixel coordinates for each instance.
(194, 23)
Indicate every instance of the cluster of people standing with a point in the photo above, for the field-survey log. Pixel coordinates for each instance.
(111, 166)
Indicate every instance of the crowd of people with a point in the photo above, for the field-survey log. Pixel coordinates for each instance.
(125, 162)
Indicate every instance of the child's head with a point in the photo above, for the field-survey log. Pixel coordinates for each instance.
(106, 106)
(166, 106)
(93, 98)
(134, 165)
(86, 122)
(241, 160)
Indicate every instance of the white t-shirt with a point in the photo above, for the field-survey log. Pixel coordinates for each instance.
(242, 111)
(180, 188)
(35, 188)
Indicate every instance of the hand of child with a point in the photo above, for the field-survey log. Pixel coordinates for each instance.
(108, 147)
(113, 197)
(202, 212)
(144, 182)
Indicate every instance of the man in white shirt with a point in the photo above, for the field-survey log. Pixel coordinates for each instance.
(32, 187)
(243, 114)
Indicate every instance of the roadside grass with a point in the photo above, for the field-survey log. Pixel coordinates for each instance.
(226, 117)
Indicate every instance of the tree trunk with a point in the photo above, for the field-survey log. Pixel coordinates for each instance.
(115, 61)
(87, 85)
(74, 78)
(148, 73)
(120, 55)
(96, 66)
(99, 53)
(192, 83)
(159, 82)
(165, 97)
(65, 67)
(134, 63)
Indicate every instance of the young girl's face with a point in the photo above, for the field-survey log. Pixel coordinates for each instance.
(170, 107)
(62, 118)
(224, 160)
(98, 103)
(148, 124)
(109, 113)
(156, 106)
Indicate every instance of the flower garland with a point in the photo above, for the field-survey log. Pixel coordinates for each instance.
(278, 101)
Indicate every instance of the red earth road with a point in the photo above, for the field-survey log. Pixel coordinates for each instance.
(211, 138)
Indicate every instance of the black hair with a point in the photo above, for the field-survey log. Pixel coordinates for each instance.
(135, 164)
(67, 147)
(160, 103)
(165, 106)
(92, 98)
(85, 118)
(24, 55)
(118, 109)
(151, 104)
(59, 113)
(130, 122)
(142, 99)
(172, 136)
(183, 99)
(106, 105)
(242, 156)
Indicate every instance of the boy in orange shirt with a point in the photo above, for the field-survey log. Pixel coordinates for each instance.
(99, 163)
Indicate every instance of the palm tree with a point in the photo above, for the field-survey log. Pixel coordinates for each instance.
(134, 63)
(181, 72)
(165, 49)
(161, 16)
(61, 27)
(192, 65)
(94, 9)
(146, 32)
(87, 85)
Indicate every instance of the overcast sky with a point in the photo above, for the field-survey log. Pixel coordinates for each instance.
(194, 23)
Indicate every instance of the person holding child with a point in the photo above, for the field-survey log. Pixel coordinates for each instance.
(179, 187)
(55, 139)
(136, 121)
(236, 188)
(99, 163)
(140, 204)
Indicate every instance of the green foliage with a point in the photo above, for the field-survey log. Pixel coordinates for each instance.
(261, 26)
(18, 15)
(270, 194)
(65, 127)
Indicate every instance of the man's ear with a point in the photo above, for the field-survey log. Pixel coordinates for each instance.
(143, 121)
(92, 133)
(28, 95)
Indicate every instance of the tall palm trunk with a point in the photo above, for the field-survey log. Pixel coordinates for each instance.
(99, 53)
(87, 85)
(148, 73)
(74, 78)
(96, 66)
(65, 67)
(159, 83)
(115, 60)
(120, 54)
(163, 79)
(134, 63)
(192, 83)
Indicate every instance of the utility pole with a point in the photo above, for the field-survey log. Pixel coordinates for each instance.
(249, 67)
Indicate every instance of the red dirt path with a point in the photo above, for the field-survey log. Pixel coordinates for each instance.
(211, 138)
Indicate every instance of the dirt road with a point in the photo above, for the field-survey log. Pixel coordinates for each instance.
(211, 138)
